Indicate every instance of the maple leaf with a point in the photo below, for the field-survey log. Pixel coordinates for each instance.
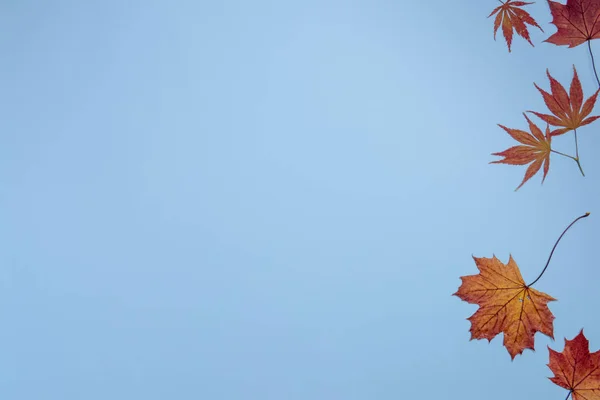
(577, 369)
(567, 108)
(506, 305)
(535, 150)
(577, 22)
(511, 16)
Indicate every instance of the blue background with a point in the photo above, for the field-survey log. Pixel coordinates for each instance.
(276, 199)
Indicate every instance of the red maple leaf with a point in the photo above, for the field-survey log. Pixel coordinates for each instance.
(567, 108)
(511, 16)
(577, 369)
(535, 150)
(577, 22)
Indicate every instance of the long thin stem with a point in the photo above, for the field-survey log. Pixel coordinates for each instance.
(563, 154)
(593, 63)
(576, 159)
(554, 248)
(577, 151)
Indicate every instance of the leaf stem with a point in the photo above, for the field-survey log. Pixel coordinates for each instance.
(555, 244)
(577, 152)
(576, 159)
(563, 154)
(593, 63)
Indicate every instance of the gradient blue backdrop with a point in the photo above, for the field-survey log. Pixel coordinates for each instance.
(275, 199)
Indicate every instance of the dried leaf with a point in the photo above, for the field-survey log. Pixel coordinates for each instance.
(577, 22)
(512, 17)
(506, 305)
(577, 369)
(567, 108)
(535, 149)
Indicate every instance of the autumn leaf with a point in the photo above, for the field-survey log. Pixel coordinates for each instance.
(577, 369)
(577, 22)
(567, 108)
(511, 16)
(506, 305)
(535, 150)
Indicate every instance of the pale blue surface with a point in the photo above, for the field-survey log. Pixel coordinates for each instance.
(275, 200)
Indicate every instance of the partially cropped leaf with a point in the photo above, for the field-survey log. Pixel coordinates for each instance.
(535, 149)
(506, 305)
(567, 108)
(577, 22)
(511, 16)
(576, 369)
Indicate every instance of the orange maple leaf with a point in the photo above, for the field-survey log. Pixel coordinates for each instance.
(577, 369)
(511, 16)
(506, 305)
(567, 108)
(577, 22)
(535, 150)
